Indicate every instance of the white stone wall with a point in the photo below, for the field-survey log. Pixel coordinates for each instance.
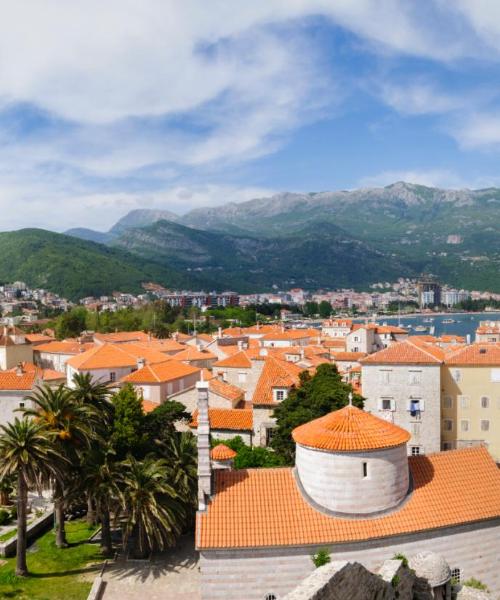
(251, 574)
(51, 360)
(10, 356)
(393, 381)
(102, 375)
(231, 375)
(335, 480)
(261, 421)
(10, 400)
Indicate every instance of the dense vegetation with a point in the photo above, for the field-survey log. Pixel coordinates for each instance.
(316, 396)
(125, 465)
(248, 457)
(76, 268)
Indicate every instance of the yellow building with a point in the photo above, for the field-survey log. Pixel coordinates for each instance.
(470, 398)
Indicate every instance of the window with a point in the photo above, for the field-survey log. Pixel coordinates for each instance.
(415, 451)
(456, 374)
(356, 338)
(415, 377)
(464, 402)
(271, 597)
(455, 575)
(485, 402)
(447, 402)
(386, 404)
(112, 376)
(415, 406)
(365, 469)
(448, 425)
(415, 428)
(485, 425)
(385, 376)
(21, 404)
(279, 395)
(447, 446)
(269, 435)
(242, 377)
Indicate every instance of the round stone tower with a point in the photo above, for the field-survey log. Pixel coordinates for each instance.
(353, 463)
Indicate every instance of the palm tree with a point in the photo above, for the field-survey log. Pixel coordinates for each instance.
(152, 511)
(89, 392)
(100, 473)
(26, 451)
(73, 428)
(180, 453)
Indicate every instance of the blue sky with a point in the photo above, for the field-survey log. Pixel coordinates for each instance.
(106, 107)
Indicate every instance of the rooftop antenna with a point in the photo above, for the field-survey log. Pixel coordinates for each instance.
(350, 398)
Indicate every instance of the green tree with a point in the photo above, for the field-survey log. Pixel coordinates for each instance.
(72, 426)
(159, 424)
(27, 452)
(152, 513)
(311, 309)
(325, 309)
(315, 397)
(72, 323)
(88, 392)
(128, 436)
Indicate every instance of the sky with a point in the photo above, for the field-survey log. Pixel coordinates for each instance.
(110, 106)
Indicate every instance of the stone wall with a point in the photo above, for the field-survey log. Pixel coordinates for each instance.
(394, 382)
(335, 480)
(250, 574)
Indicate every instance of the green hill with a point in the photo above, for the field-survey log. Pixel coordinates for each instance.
(76, 268)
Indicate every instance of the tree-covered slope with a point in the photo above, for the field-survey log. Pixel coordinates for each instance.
(76, 268)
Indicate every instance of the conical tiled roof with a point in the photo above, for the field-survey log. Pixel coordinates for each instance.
(350, 430)
(222, 452)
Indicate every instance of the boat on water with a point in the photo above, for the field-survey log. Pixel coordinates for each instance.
(448, 320)
(429, 320)
(420, 328)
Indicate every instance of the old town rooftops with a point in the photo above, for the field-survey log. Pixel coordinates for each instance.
(407, 352)
(475, 355)
(256, 508)
(107, 356)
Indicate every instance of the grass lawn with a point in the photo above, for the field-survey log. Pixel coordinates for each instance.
(55, 574)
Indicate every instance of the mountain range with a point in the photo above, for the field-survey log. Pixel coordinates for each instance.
(313, 240)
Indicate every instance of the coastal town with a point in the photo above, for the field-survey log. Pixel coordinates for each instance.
(419, 414)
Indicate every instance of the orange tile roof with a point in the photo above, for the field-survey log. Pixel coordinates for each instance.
(276, 373)
(254, 330)
(44, 374)
(9, 380)
(226, 390)
(108, 356)
(222, 452)
(162, 372)
(334, 343)
(237, 419)
(350, 429)
(167, 345)
(255, 508)
(38, 337)
(291, 334)
(482, 354)
(190, 353)
(239, 360)
(121, 336)
(148, 406)
(348, 356)
(407, 352)
(338, 323)
(64, 347)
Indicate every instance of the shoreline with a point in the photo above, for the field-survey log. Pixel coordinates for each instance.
(436, 314)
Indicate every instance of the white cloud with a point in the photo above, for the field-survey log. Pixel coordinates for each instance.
(420, 98)
(477, 131)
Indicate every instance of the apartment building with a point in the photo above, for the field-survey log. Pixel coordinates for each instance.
(402, 384)
(471, 398)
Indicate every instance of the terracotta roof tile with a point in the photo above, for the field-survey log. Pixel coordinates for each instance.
(226, 390)
(348, 356)
(190, 353)
(148, 406)
(239, 360)
(407, 352)
(276, 373)
(263, 507)
(237, 419)
(121, 337)
(9, 380)
(114, 355)
(64, 347)
(222, 452)
(350, 429)
(475, 355)
(161, 372)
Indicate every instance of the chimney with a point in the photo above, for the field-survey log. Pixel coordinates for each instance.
(199, 347)
(302, 353)
(282, 328)
(468, 338)
(203, 443)
(141, 363)
(240, 345)
(219, 332)
(19, 369)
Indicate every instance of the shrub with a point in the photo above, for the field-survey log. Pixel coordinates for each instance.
(322, 557)
(13, 512)
(395, 581)
(476, 584)
(402, 558)
(4, 516)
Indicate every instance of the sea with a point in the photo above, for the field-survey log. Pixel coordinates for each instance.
(462, 323)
